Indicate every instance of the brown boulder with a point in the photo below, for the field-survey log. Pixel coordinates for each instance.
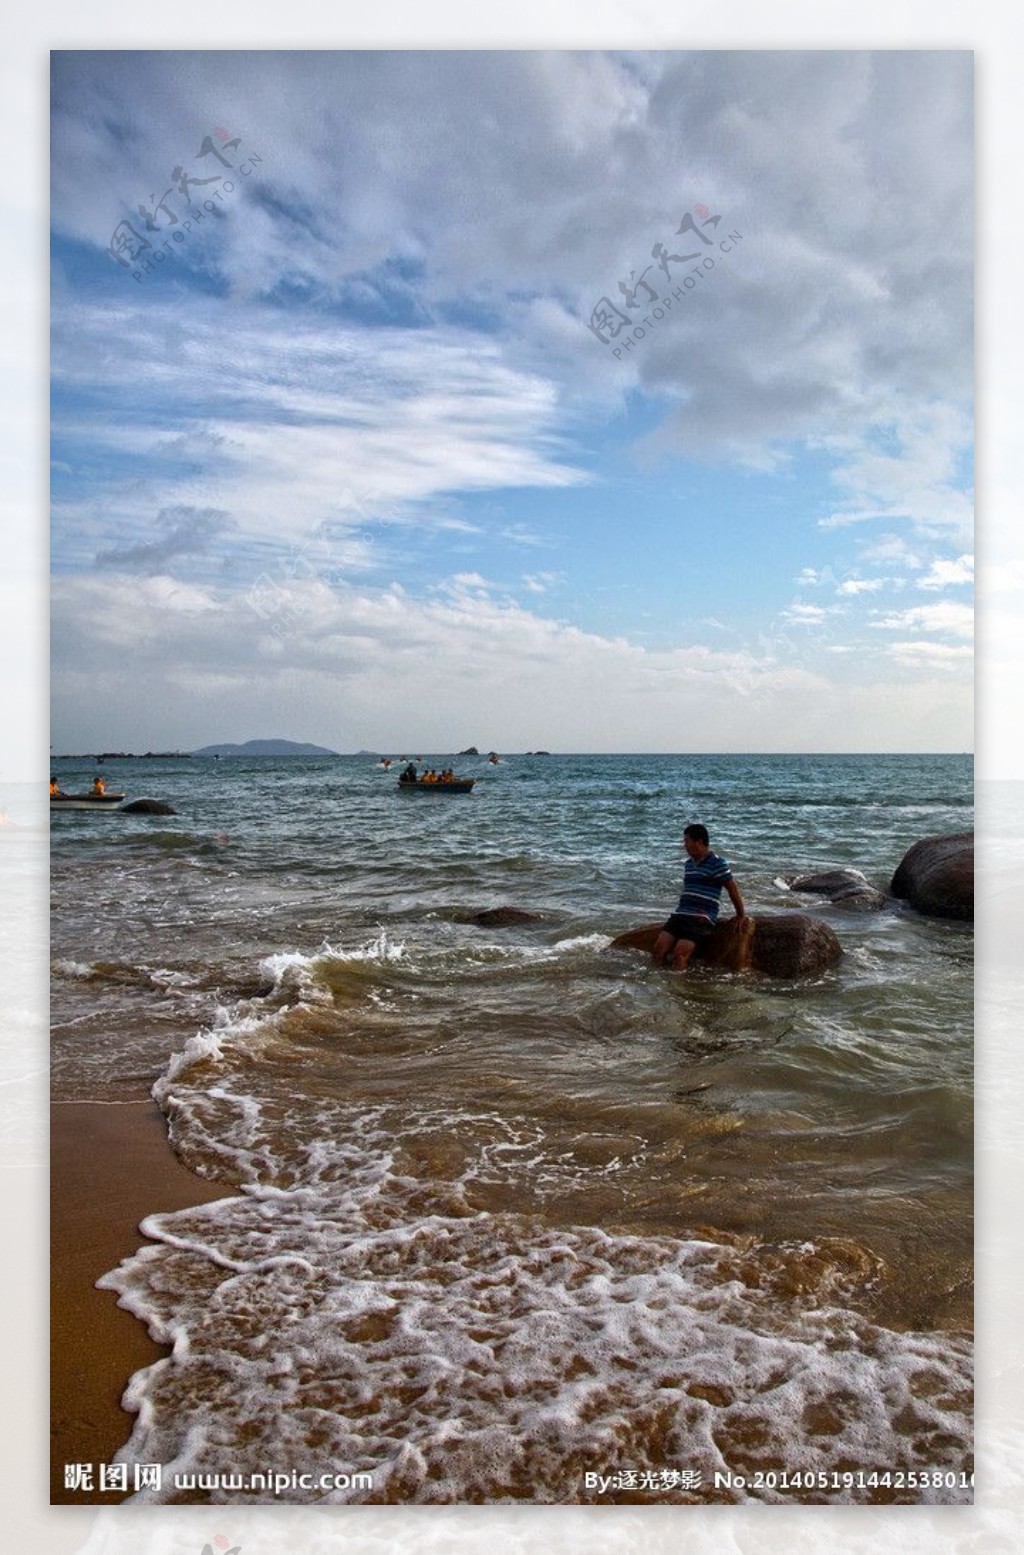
(936, 876)
(844, 887)
(503, 917)
(779, 944)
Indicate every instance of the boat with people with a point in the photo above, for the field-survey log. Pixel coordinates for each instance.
(432, 782)
(85, 801)
(452, 786)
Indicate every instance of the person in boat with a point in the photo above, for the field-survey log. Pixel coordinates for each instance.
(447, 776)
(55, 789)
(99, 788)
(706, 875)
(430, 776)
(409, 775)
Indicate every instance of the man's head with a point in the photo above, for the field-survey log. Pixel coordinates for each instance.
(696, 840)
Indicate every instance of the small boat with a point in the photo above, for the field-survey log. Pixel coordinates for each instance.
(85, 801)
(453, 786)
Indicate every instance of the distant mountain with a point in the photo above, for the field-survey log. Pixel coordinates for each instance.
(265, 748)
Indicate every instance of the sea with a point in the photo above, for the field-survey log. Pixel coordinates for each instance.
(510, 1216)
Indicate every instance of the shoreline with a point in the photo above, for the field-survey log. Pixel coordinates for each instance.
(110, 1166)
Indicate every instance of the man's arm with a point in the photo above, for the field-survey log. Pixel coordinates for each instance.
(735, 898)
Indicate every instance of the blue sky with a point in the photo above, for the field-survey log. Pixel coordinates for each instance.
(350, 466)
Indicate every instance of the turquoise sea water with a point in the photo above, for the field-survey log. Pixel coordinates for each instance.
(518, 1209)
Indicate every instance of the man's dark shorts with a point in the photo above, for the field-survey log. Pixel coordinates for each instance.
(682, 926)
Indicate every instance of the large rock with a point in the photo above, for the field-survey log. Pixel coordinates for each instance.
(844, 887)
(147, 807)
(503, 917)
(779, 944)
(936, 876)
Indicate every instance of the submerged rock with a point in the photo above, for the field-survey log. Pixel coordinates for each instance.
(845, 887)
(147, 807)
(936, 876)
(778, 944)
(503, 917)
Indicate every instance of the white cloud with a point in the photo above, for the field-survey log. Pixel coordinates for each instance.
(854, 586)
(906, 469)
(525, 185)
(955, 620)
(944, 573)
(462, 584)
(894, 550)
(350, 668)
(438, 227)
(302, 421)
(801, 614)
(935, 655)
(540, 582)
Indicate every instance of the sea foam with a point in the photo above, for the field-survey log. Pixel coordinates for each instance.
(484, 1358)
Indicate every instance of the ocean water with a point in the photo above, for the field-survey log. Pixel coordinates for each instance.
(521, 1219)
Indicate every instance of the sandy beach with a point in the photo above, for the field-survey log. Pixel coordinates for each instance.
(110, 1167)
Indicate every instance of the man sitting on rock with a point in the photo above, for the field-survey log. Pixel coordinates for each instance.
(697, 912)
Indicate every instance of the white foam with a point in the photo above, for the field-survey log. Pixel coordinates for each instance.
(72, 968)
(205, 1045)
(583, 942)
(483, 1358)
(171, 980)
(349, 1312)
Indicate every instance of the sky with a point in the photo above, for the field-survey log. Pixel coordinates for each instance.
(575, 400)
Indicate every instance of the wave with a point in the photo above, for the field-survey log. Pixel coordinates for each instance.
(371, 1301)
(483, 1358)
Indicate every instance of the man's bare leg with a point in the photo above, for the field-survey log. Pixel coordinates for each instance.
(682, 953)
(662, 947)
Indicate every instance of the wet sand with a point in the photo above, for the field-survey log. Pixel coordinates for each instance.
(110, 1166)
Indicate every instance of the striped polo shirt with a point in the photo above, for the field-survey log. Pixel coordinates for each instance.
(702, 887)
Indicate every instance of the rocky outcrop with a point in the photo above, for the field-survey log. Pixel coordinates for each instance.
(147, 807)
(936, 876)
(777, 944)
(844, 887)
(503, 917)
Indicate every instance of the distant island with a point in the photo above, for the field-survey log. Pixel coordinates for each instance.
(124, 756)
(265, 748)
